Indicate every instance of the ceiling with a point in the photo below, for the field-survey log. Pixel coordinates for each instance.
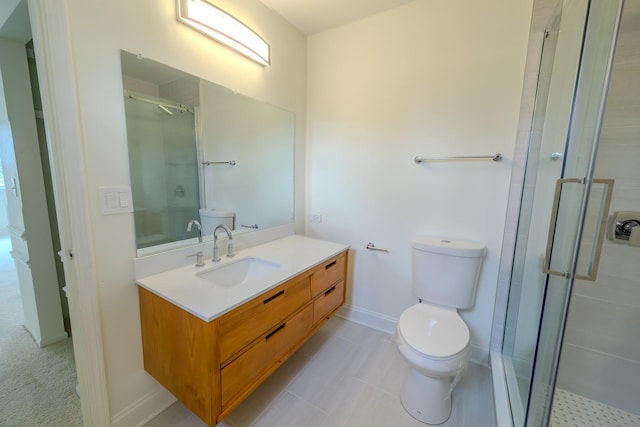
(313, 16)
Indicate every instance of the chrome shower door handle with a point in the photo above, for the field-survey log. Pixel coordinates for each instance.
(552, 226)
(600, 228)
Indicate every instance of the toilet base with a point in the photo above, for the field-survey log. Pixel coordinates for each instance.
(426, 399)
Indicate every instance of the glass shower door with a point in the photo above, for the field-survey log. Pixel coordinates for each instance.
(558, 180)
(571, 199)
(547, 140)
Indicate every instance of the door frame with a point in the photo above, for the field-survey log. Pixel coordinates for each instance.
(55, 64)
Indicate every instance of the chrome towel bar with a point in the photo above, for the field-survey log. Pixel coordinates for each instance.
(229, 162)
(495, 157)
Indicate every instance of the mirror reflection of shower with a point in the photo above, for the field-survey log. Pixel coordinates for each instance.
(163, 163)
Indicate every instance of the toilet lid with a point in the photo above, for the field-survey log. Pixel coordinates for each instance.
(433, 331)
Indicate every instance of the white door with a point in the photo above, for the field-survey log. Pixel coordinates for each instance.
(28, 220)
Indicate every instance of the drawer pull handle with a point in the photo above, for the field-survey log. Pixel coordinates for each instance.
(272, 333)
(331, 264)
(333, 288)
(272, 297)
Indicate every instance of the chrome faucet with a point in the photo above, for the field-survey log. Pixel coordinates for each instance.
(198, 226)
(216, 249)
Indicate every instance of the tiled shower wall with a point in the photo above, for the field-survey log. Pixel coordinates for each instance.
(601, 352)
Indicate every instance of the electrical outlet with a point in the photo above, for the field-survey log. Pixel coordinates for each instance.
(316, 218)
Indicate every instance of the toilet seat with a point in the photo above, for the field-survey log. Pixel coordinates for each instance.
(434, 332)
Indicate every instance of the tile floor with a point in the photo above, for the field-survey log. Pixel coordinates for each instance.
(572, 410)
(345, 375)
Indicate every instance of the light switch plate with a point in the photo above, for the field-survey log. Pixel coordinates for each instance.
(115, 200)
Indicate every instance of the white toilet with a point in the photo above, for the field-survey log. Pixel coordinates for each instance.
(211, 218)
(431, 335)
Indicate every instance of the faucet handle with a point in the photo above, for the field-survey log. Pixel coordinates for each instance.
(230, 253)
(199, 258)
(216, 252)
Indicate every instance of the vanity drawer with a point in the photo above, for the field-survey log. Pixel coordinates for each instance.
(258, 359)
(331, 299)
(247, 322)
(328, 274)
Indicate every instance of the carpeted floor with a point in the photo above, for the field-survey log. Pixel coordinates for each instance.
(37, 386)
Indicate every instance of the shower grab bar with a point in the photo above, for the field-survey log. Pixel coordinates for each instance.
(495, 157)
(229, 162)
(600, 228)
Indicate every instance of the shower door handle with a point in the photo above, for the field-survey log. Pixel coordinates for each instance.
(552, 226)
(600, 228)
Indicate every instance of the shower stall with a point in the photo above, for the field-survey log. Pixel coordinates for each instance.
(567, 351)
(163, 164)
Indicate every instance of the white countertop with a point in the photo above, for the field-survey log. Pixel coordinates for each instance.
(200, 297)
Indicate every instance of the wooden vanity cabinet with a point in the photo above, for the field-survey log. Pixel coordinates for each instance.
(213, 366)
(328, 287)
(241, 326)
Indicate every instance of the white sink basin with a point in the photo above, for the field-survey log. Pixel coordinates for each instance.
(238, 272)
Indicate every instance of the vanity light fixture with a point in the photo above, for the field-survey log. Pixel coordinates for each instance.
(224, 28)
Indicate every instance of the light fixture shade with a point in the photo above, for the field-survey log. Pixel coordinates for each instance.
(224, 28)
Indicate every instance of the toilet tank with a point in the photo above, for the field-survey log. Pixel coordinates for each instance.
(211, 218)
(446, 271)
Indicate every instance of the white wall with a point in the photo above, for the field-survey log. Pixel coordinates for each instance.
(427, 79)
(99, 30)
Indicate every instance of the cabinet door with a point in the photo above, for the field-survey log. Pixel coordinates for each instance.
(329, 301)
(257, 360)
(328, 274)
(179, 353)
(249, 321)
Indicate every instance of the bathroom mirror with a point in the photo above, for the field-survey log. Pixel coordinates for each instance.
(198, 151)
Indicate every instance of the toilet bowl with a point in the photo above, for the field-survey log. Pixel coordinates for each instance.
(431, 336)
(435, 343)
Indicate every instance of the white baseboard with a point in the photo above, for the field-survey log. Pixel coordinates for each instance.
(144, 409)
(52, 340)
(368, 318)
(36, 337)
(42, 342)
(479, 355)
